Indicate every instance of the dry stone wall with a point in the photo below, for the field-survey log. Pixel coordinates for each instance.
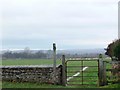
(39, 74)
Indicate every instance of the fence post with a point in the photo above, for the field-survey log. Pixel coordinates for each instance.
(63, 71)
(54, 63)
(100, 71)
(104, 74)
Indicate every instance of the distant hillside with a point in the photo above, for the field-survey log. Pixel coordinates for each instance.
(75, 53)
(82, 51)
(72, 51)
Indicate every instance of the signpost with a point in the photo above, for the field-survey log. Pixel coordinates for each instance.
(54, 63)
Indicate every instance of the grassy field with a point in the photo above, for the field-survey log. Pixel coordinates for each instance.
(50, 62)
(29, 62)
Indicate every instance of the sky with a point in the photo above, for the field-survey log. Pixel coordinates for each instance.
(71, 24)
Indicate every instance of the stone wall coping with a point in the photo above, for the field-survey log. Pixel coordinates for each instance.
(28, 66)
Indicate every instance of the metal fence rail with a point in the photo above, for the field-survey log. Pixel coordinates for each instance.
(82, 72)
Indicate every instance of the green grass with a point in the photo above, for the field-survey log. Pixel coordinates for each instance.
(27, 85)
(36, 85)
(0, 85)
(0, 61)
(112, 86)
(29, 62)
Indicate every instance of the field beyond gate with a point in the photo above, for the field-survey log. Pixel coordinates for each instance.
(82, 72)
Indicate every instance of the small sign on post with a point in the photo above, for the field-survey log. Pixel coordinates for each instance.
(54, 63)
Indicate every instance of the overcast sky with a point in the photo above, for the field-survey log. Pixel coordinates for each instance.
(71, 24)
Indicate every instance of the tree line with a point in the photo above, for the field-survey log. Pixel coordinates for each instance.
(14, 55)
(42, 54)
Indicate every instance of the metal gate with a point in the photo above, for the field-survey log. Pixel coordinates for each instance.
(82, 72)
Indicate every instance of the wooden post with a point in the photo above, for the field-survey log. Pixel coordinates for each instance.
(104, 74)
(100, 71)
(54, 63)
(63, 71)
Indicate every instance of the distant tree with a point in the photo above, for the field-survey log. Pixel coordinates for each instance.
(49, 54)
(40, 54)
(7, 54)
(27, 52)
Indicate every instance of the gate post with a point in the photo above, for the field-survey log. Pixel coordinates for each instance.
(63, 71)
(104, 73)
(100, 71)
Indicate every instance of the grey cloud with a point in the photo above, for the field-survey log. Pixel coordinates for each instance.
(54, 20)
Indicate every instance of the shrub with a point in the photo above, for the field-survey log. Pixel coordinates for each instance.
(113, 49)
(117, 51)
